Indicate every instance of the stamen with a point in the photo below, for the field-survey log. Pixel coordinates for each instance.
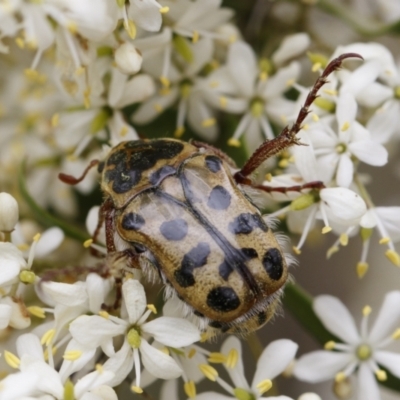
(217, 358)
(11, 359)
(195, 37)
(344, 239)
(393, 257)
(192, 353)
(381, 375)
(208, 122)
(209, 372)
(72, 355)
(152, 308)
(396, 334)
(179, 131)
(48, 337)
(330, 345)
(37, 311)
(136, 389)
(331, 251)
(340, 377)
(164, 10)
(234, 142)
(384, 240)
(87, 243)
(232, 359)
(264, 386)
(362, 268)
(104, 314)
(190, 389)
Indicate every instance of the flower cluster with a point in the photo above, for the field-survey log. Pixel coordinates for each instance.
(80, 77)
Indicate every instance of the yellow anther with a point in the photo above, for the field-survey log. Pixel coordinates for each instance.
(340, 377)
(55, 120)
(290, 82)
(216, 358)
(165, 81)
(72, 26)
(326, 229)
(72, 355)
(99, 368)
(23, 247)
(206, 123)
(283, 163)
(48, 337)
(345, 126)
(179, 131)
(165, 350)
(80, 71)
(46, 352)
(204, 337)
(223, 101)
(11, 359)
(329, 345)
(195, 36)
(232, 358)
(87, 243)
(315, 117)
(366, 311)
(331, 251)
(381, 375)
(190, 389)
(20, 43)
(36, 237)
(296, 250)
(264, 386)
(396, 334)
(362, 268)
(192, 352)
(104, 314)
(316, 67)
(158, 107)
(234, 142)
(393, 256)
(136, 389)
(37, 311)
(164, 10)
(268, 177)
(384, 240)
(130, 27)
(344, 239)
(209, 372)
(152, 308)
(263, 76)
(124, 131)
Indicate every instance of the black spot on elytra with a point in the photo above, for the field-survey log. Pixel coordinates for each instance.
(246, 222)
(223, 299)
(132, 222)
(225, 270)
(261, 318)
(249, 252)
(273, 263)
(219, 198)
(175, 229)
(141, 156)
(195, 258)
(213, 163)
(158, 176)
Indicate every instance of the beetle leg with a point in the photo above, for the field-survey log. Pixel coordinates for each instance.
(288, 137)
(71, 180)
(285, 189)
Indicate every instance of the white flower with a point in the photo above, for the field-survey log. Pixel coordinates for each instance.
(94, 331)
(8, 212)
(272, 362)
(241, 87)
(361, 350)
(128, 58)
(334, 151)
(48, 381)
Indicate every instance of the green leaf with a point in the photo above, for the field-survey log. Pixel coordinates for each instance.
(43, 216)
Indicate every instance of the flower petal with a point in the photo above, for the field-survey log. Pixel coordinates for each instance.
(320, 365)
(389, 360)
(237, 372)
(336, 318)
(388, 318)
(273, 360)
(49, 241)
(367, 386)
(5, 315)
(135, 299)
(121, 364)
(66, 293)
(11, 261)
(172, 332)
(290, 47)
(158, 363)
(370, 152)
(29, 344)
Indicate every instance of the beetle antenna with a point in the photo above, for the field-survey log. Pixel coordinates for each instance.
(71, 180)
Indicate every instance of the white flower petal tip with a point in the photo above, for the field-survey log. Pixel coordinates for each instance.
(9, 212)
(309, 396)
(128, 58)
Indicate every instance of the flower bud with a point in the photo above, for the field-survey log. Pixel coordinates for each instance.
(8, 212)
(128, 58)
